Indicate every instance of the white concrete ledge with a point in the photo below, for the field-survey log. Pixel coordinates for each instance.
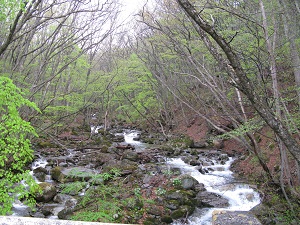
(14, 220)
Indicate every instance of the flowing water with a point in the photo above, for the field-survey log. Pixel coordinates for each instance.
(219, 179)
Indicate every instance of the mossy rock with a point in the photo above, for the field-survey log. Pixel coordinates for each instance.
(151, 221)
(149, 140)
(185, 141)
(170, 150)
(172, 204)
(55, 173)
(48, 192)
(181, 196)
(166, 219)
(104, 149)
(177, 214)
(183, 211)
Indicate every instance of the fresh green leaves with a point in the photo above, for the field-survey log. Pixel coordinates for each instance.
(15, 147)
(9, 8)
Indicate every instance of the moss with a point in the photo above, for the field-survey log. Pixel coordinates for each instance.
(151, 221)
(183, 141)
(56, 172)
(104, 149)
(179, 213)
(182, 211)
(166, 219)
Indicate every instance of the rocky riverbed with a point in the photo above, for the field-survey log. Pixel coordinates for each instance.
(109, 180)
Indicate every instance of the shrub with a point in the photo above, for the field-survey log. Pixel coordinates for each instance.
(15, 148)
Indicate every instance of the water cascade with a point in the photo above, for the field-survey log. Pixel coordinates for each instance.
(215, 175)
(218, 178)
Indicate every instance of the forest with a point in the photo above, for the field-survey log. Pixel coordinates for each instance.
(230, 66)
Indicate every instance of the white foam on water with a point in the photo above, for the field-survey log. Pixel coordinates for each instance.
(130, 136)
(41, 162)
(221, 181)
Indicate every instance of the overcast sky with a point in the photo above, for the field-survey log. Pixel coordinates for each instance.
(132, 7)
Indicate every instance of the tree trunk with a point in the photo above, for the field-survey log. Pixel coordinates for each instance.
(237, 73)
(290, 30)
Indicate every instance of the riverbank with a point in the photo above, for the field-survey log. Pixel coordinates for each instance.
(104, 179)
(275, 209)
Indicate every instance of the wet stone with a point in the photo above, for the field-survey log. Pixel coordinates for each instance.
(222, 217)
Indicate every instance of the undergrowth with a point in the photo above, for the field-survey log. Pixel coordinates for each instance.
(106, 199)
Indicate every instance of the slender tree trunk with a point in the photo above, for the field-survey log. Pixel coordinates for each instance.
(237, 73)
(290, 30)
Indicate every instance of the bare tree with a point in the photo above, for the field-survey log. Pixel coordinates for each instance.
(238, 74)
(50, 41)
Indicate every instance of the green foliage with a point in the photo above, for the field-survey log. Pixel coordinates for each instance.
(99, 205)
(73, 188)
(137, 192)
(183, 141)
(106, 201)
(249, 126)
(15, 147)
(176, 182)
(9, 9)
(134, 95)
(287, 217)
(106, 211)
(160, 191)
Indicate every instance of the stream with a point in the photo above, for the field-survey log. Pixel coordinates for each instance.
(215, 175)
(218, 179)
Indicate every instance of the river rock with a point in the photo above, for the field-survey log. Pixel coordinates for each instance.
(219, 144)
(209, 199)
(48, 209)
(130, 155)
(68, 209)
(48, 192)
(40, 173)
(71, 174)
(56, 173)
(200, 144)
(183, 211)
(187, 182)
(65, 214)
(183, 197)
(125, 166)
(222, 217)
(199, 187)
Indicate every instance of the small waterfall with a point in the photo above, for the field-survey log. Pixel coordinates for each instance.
(131, 137)
(220, 180)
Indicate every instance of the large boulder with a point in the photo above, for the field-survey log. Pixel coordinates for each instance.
(131, 155)
(187, 182)
(180, 197)
(200, 144)
(68, 210)
(47, 194)
(64, 175)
